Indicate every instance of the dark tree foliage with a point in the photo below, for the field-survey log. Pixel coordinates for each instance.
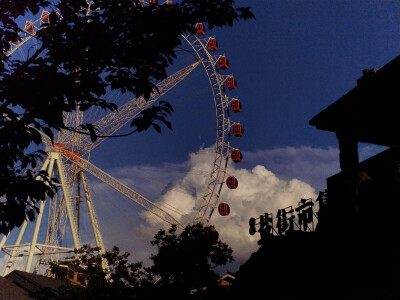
(122, 45)
(120, 282)
(185, 261)
(183, 264)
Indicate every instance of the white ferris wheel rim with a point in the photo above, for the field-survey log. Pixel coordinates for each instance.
(212, 191)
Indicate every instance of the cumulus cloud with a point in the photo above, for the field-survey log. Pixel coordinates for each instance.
(309, 164)
(3, 263)
(19, 262)
(259, 191)
(268, 180)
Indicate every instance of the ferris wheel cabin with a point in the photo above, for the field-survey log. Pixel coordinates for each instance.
(45, 16)
(223, 62)
(236, 106)
(232, 182)
(153, 1)
(237, 130)
(231, 83)
(236, 156)
(212, 44)
(200, 29)
(29, 27)
(224, 209)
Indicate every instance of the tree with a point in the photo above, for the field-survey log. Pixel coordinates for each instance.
(121, 281)
(185, 261)
(123, 45)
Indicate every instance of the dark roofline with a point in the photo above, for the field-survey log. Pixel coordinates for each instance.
(75, 267)
(381, 75)
(10, 290)
(339, 114)
(40, 281)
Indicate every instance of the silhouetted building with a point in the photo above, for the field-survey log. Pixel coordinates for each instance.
(365, 196)
(9, 290)
(226, 280)
(354, 253)
(24, 285)
(76, 274)
(363, 200)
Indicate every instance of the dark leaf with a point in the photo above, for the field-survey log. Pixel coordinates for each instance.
(156, 127)
(75, 60)
(48, 132)
(30, 214)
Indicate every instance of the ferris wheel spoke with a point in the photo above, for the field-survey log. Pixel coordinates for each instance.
(120, 187)
(114, 121)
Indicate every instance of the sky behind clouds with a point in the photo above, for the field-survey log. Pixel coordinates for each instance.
(294, 60)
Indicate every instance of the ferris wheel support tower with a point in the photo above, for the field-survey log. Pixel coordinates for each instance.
(70, 168)
(53, 160)
(65, 158)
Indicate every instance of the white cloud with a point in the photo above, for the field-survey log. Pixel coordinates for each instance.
(3, 263)
(268, 180)
(309, 164)
(259, 191)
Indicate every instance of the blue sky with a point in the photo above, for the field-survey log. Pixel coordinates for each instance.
(294, 60)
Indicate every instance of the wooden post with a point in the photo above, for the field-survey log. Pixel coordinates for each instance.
(348, 150)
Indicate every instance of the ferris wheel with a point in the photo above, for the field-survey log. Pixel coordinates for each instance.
(68, 156)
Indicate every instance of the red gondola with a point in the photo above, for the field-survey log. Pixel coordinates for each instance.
(236, 106)
(236, 156)
(237, 130)
(224, 209)
(200, 29)
(223, 62)
(231, 83)
(153, 1)
(232, 182)
(29, 27)
(212, 44)
(45, 16)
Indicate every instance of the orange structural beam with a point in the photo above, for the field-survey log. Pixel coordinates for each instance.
(67, 153)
